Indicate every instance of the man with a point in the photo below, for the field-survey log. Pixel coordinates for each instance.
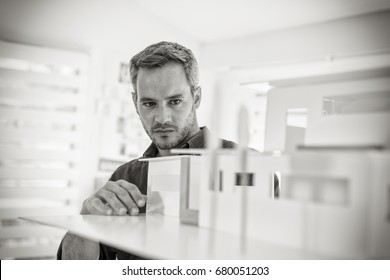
(166, 96)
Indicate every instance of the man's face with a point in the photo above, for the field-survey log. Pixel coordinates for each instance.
(165, 105)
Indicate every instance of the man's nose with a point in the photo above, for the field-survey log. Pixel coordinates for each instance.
(163, 115)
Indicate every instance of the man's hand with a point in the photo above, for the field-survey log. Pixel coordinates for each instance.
(115, 198)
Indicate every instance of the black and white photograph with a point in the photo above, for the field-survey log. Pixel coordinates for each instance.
(195, 138)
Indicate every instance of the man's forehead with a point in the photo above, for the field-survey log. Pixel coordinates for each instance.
(168, 77)
(177, 95)
(172, 68)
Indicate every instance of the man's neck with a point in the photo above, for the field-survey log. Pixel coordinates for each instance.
(163, 153)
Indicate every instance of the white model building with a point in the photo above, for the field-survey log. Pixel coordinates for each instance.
(173, 186)
(335, 205)
(331, 196)
(323, 189)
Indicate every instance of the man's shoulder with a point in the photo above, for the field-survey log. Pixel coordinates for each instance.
(132, 167)
(131, 163)
(226, 144)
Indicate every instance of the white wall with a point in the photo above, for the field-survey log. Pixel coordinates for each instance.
(72, 24)
(364, 33)
(357, 35)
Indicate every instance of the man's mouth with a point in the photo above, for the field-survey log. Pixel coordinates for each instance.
(163, 131)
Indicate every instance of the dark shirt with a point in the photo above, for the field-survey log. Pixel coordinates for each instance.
(136, 172)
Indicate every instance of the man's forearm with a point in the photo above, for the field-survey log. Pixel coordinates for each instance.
(77, 248)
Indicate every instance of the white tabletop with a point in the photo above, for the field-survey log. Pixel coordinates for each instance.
(164, 237)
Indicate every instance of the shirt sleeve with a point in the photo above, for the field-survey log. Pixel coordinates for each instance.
(106, 253)
(59, 251)
(130, 172)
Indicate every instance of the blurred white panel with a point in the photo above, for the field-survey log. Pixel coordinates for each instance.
(42, 111)
(28, 114)
(370, 102)
(44, 55)
(43, 79)
(47, 134)
(17, 153)
(46, 192)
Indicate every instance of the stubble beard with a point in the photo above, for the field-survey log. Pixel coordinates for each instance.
(179, 138)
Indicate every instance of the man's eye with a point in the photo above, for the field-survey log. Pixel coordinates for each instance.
(175, 101)
(148, 104)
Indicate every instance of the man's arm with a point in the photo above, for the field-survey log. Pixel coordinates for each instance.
(77, 248)
(114, 198)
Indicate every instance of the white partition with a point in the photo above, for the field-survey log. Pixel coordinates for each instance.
(42, 112)
(341, 112)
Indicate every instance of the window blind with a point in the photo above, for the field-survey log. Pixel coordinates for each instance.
(42, 112)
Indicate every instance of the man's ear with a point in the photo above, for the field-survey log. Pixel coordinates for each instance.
(134, 96)
(197, 97)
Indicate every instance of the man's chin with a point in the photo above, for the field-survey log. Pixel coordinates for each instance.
(165, 145)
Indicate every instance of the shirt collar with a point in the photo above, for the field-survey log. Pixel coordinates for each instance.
(198, 141)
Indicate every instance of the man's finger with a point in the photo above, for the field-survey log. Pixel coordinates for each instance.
(113, 201)
(125, 197)
(99, 207)
(134, 192)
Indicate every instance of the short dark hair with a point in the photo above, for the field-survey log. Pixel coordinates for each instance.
(159, 54)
